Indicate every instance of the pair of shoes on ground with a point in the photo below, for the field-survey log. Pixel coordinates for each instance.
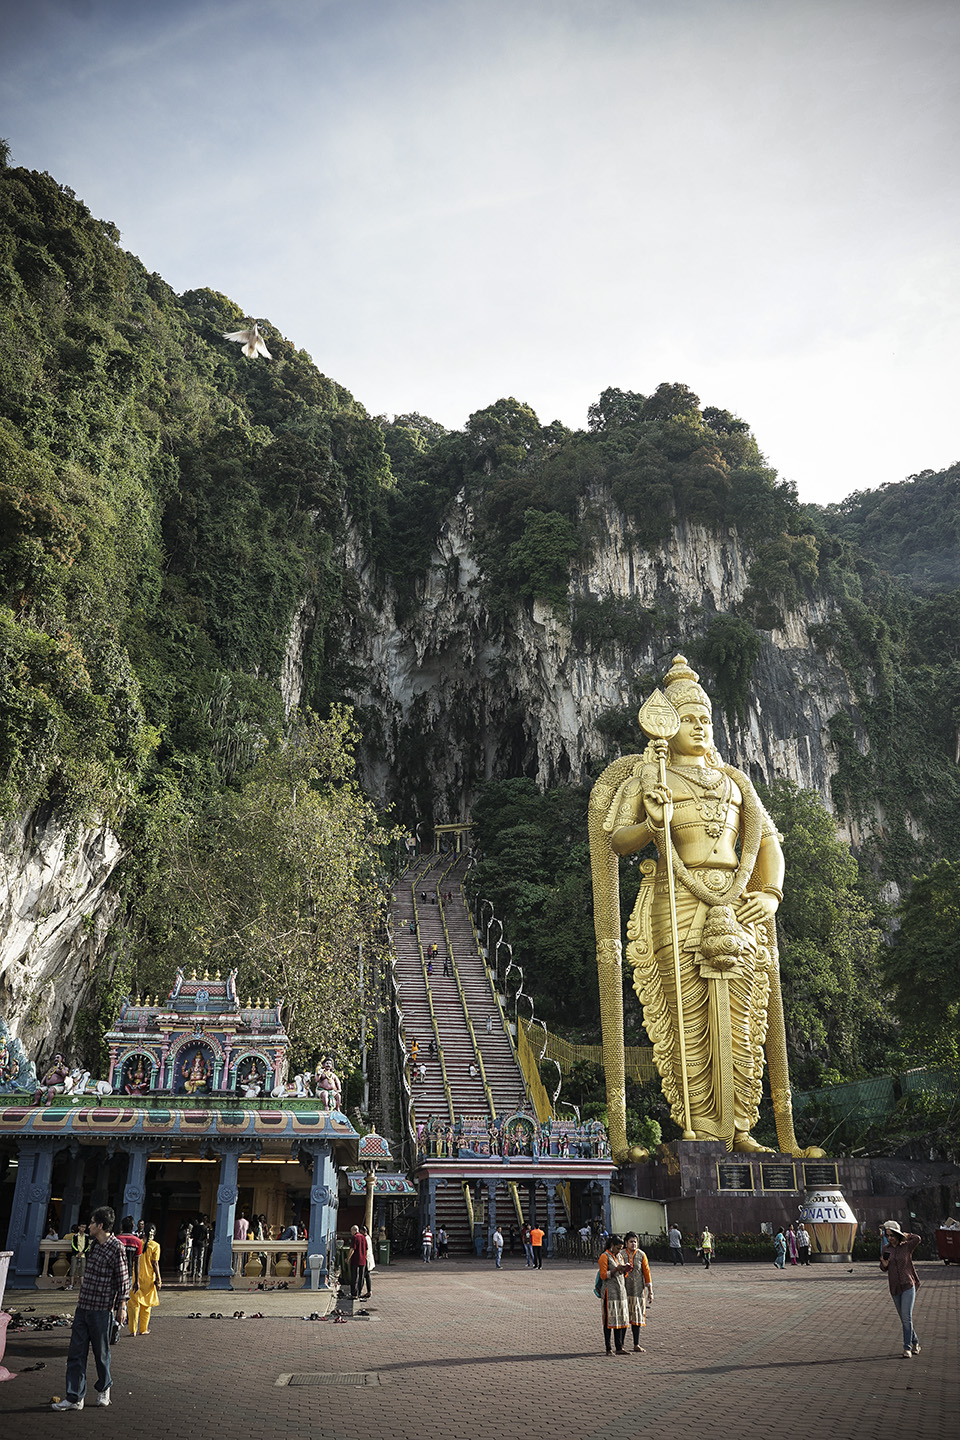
(102, 1400)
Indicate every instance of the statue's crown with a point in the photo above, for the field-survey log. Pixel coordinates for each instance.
(681, 687)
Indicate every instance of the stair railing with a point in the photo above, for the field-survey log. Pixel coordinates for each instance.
(433, 1017)
(466, 1012)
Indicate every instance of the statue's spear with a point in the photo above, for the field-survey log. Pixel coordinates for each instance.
(660, 720)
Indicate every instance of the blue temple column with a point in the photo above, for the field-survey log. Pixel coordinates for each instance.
(73, 1190)
(135, 1187)
(101, 1184)
(551, 1216)
(323, 1203)
(221, 1256)
(432, 1207)
(28, 1218)
(605, 1186)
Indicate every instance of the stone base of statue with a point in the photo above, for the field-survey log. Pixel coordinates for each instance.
(702, 1185)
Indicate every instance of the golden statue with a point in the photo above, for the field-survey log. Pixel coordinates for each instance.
(702, 939)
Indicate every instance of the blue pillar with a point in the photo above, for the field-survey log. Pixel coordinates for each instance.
(551, 1216)
(491, 1213)
(73, 1190)
(432, 1207)
(135, 1189)
(323, 1203)
(221, 1256)
(605, 1185)
(101, 1185)
(28, 1218)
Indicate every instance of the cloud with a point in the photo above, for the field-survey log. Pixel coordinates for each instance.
(465, 200)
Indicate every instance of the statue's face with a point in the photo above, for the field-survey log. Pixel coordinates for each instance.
(695, 736)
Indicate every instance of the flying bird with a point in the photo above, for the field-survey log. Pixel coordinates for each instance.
(251, 340)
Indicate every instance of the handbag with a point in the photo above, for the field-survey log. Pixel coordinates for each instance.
(115, 1328)
(598, 1285)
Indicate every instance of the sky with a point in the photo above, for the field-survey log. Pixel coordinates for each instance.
(449, 201)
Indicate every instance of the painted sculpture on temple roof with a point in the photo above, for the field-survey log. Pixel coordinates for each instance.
(327, 1085)
(195, 1072)
(17, 1073)
(702, 939)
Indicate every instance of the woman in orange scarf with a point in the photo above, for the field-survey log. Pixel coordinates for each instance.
(613, 1295)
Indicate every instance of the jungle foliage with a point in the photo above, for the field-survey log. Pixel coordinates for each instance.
(167, 508)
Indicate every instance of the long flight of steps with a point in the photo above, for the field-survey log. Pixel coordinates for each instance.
(428, 894)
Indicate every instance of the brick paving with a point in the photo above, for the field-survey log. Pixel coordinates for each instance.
(464, 1352)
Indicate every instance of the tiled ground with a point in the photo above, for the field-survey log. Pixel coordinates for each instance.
(463, 1352)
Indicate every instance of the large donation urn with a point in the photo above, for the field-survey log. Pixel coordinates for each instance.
(831, 1223)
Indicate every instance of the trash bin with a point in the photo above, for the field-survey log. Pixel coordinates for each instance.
(317, 1265)
(948, 1245)
(383, 1252)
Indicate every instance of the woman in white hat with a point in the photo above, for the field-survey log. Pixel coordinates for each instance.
(897, 1262)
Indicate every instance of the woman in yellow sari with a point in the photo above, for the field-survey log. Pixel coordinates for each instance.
(145, 1297)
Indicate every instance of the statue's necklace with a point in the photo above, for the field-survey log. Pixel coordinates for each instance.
(697, 775)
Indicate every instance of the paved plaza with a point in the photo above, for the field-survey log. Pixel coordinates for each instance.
(460, 1351)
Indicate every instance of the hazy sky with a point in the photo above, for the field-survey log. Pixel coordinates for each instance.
(447, 201)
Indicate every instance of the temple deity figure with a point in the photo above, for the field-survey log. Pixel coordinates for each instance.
(195, 1074)
(139, 1081)
(327, 1084)
(702, 940)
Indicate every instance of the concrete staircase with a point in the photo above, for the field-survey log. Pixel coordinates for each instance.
(455, 1020)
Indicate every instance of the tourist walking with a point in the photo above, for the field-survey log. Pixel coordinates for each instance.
(359, 1256)
(779, 1249)
(144, 1297)
(803, 1244)
(426, 1240)
(536, 1245)
(498, 1246)
(792, 1244)
(639, 1287)
(613, 1294)
(102, 1297)
(706, 1247)
(78, 1255)
(528, 1246)
(897, 1262)
(676, 1245)
(442, 1243)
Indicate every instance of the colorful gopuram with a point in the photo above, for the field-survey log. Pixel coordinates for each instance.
(195, 1119)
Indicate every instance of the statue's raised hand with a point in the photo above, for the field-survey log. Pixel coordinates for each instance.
(658, 803)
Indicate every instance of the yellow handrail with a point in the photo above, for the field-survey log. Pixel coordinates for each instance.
(466, 1014)
(433, 1018)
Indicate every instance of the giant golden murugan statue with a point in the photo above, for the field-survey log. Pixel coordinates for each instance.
(702, 940)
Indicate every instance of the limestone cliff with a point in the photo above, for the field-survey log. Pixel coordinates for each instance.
(452, 697)
(55, 910)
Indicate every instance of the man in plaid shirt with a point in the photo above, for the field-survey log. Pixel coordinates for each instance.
(103, 1294)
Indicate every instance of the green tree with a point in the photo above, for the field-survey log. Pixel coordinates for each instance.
(280, 880)
(833, 992)
(923, 964)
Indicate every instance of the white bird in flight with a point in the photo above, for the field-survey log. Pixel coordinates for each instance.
(251, 340)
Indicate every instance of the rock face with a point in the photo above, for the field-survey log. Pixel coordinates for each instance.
(453, 697)
(55, 910)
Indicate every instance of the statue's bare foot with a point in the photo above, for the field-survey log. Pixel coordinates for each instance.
(745, 1143)
(812, 1152)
